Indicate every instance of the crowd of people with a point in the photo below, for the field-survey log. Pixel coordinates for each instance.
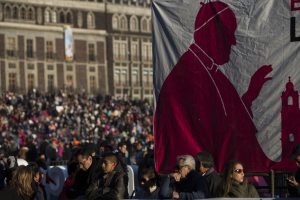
(97, 138)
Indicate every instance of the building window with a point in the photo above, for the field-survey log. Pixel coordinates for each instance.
(117, 77)
(50, 67)
(116, 52)
(8, 13)
(123, 50)
(15, 12)
(135, 51)
(11, 47)
(30, 13)
(144, 25)
(90, 20)
(69, 68)
(12, 66)
(53, 16)
(147, 51)
(79, 20)
(93, 84)
(49, 50)
(30, 66)
(123, 23)
(69, 81)
(29, 48)
(61, 17)
(115, 22)
(92, 69)
(12, 81)
(23, 13)
(149, 25)
(91, 52)
(47, 15)
(39, 16)
(134, 23)
(135, 77)
(69, 18)
(50, 82)
(124, 75)
(30, 81)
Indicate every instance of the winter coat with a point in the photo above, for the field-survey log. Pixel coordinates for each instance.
(193, 186)
(112, 186)
(213, 180)
(241, 190)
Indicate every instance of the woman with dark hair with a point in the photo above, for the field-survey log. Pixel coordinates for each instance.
(234, 183)
(20, 186)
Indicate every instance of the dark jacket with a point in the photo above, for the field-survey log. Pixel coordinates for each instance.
(213, 180)
(193, 186)
(11, 194)
(111, 186)
(295, 191)
(85, 179)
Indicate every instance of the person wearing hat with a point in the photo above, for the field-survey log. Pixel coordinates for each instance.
(294, 181)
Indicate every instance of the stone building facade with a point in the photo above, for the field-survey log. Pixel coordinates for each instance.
(112, 47)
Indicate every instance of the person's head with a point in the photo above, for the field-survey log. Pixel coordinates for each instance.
(204, 161)
(148, 179)
(110, 162)
(185, 163)
(214, 30)
(85, 158)
(234, 171)
(36, 172)
(122, 147)
(22, 180)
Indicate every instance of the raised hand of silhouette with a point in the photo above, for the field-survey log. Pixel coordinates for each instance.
(257, 81)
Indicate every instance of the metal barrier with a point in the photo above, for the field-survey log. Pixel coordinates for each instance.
(272, 184)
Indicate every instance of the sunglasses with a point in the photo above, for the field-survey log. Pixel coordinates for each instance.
(238, 171)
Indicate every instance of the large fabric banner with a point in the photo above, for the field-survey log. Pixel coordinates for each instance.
(227, 75)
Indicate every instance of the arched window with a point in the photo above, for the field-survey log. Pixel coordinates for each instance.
(144, 25)
(290, 100)
(115, 22)
(23, 13)
(123, 23)
(134, 23)
(79, 19)
(91, 20)
(69, 18)
(149, 25)
(8, 13)
(15, 12)
(53, 16)
(30, 13)
(39, 15)
(62, 17)
(47, 15)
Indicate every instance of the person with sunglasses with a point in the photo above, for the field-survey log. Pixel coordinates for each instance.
(234, 183)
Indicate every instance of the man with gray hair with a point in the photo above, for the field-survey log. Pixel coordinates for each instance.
(189, 183)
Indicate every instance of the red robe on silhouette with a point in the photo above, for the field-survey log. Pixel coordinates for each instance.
(198, 107)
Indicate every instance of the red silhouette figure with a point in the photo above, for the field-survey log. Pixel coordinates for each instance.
(198, 107)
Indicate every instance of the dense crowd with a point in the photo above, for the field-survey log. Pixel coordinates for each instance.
(97, 138)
